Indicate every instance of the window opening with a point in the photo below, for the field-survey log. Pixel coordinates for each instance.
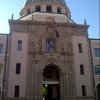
(1, 69)
(58, 10)
(80, 47)
(18, 67)
(82, 69)
(97, 70)
(83, 90)
(17, 91)
(38, 8)
(97, 52)
(19, 46)
(49, 9)
(50, 45)
(1, 48)
(28, 11)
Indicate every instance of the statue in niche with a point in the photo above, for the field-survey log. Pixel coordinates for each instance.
(38, 44)
(69, 47)
(35, 43)
(63, 46)
(32, 46)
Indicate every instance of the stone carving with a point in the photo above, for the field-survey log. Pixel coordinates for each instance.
(31, 49)
(31, 67)
(69, 44)
(40, 27)
(35, 43)
(79, 31)
(46, 61)
(63, 45)
(51, 60)
(49, 30)
(19, 28)
(38, 44)
(69, 47)
(70, 60)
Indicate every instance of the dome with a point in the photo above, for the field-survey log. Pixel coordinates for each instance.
(62, 2)
(27, 2)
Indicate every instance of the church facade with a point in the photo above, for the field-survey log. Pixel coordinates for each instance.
(47, 55)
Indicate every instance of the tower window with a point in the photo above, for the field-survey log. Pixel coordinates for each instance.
(49, 9)
(80, 47)
(83, 90)
(17, 91)
(82, 69)
(58, 10)
(18, 67)
(19, 46)
(38, 8)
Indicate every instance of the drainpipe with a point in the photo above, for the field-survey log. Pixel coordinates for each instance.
(5, 68)
(92, 67)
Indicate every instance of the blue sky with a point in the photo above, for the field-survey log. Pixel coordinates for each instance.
(80, 10)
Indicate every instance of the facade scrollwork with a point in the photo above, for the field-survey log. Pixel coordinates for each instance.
(80, 31)
(19, 28)
(35, 43)
(51, 61)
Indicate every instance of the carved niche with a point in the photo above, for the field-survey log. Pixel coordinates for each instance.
(35, 43)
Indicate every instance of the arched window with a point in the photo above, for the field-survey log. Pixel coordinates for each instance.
(97, 69)
(1, 69)
(50, 44)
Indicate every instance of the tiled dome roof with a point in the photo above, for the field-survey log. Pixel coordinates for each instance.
(62, 2)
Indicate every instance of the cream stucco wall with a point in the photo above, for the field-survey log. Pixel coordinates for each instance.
(96, 60)
(82, 58)
(37, 16)
(3, 40)
(18, 57)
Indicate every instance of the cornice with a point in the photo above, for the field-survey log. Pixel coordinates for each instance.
(49, 53)
(38, 26)
(30, 22)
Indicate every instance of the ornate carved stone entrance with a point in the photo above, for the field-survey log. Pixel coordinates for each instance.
(51, 83)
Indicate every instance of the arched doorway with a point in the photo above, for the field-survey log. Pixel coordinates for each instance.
(98, 91)
(51, 83)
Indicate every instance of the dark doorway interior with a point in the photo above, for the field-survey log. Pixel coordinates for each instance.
(52, 92)
(51, 87)
(98, 92)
